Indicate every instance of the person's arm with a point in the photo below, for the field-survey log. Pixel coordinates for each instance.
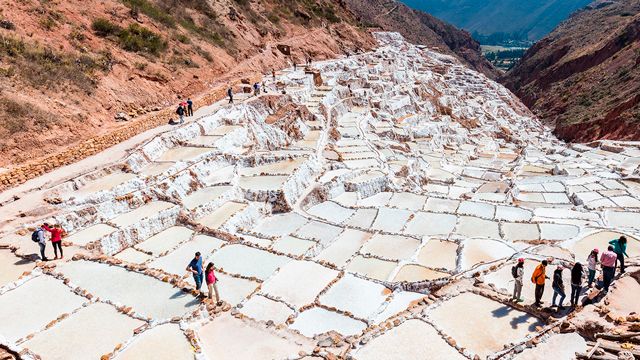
(47, 228)
(613, 242)
(189, 269)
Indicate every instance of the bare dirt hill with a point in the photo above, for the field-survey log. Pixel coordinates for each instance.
(583, 77)
(420, 27)
(67, 67)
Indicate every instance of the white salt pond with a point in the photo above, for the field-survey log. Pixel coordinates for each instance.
(482, 251)
(90, 234)
(164, 342)
(344, 247)
(165, 240)
(322, 232)
(281, 224)
(144, 211)
(439, 254)
(391, 220)
(232, 289)
(155, 169)
(248, 261)
(204, 196)
(264, 183)
(557, 347)
(261, 308)
(230, 338)
(501, 324)
(318, 320)
(431, 224)
(88, 334)
(362, 298)
(412, 340)
(331, 212)
(23, 312)
(299, 282)
(277, 168)
(130, 288)
(363, 218)
(292, 245)
(183, 153)
(372, 267)
(12, 267)
(132, 255)
(391, 246)
(220, 215)
(103, 183)
(413, 273)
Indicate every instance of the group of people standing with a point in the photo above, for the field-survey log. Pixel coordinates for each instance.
(195, 267)
(39, 237)
(185, 109)
(609, 260)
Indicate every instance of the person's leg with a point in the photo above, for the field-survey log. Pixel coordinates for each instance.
(215, 288)
(42, 247)
(58, 244)
(592, 275)
(55, 249)
(198, 280)
(621, 260)
(555, 294)
(562, 297)
(607, 274)
(210, 286)
(574, 298)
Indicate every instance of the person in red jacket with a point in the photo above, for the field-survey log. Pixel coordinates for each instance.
(56, 238)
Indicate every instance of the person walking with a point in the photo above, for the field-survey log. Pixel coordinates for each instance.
(56, 238)
(211, 279)
(558, 288)
(620, 248)
(256, 89)
(230, 92)
(576, 284)
(518, 274)
(273, 72)
(180, 112)
(538, 277)
(608, 261)
(189, 107)
(195, 267)
(592, 262)
(295, 67)
(38, 236)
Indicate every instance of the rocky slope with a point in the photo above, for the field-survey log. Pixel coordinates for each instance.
(68, 68)
(422, 28)
(583, 77)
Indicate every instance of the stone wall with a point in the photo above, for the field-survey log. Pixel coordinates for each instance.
(97, 144)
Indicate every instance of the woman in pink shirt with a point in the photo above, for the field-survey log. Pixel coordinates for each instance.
(210, 277)
(56, 238)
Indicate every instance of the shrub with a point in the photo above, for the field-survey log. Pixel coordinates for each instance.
(140, 39)
(104, 27)
(151, 11)
(140, 66)
(182, 38)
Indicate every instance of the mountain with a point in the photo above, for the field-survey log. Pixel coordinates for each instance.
(420, 27)
(530, 19)
(67, 67)
(584, 77)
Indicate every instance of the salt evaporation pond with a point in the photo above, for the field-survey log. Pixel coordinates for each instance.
(164, 342)
(12, 267)
(248, 261)
(145, 211)
(91, 234)
(103, 183)
(204, 196)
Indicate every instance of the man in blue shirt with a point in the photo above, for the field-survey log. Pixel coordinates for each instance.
(195, 267)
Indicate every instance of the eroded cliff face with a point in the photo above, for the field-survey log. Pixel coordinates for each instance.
(422, 28)
(582, 78)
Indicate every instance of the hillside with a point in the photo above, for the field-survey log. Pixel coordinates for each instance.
(421, 28)
(68, 68)
(583, 78)
(531, 19)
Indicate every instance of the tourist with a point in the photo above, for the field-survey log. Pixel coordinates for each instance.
(558, 287)
(592, 262)
(608, 261)
(180, 112)
(273, 72)
(620, 248)
(195, 267)
(518, 274)
(56, 238)
(264, 87)
(350, 92)
(211, 282)
(256, 89)
(230, 92)
(295, 67)
(189, 107)
(576, 283)
(538, 277)
(38, 236)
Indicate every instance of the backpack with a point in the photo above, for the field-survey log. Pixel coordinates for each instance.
(35, 237)
(514, 271)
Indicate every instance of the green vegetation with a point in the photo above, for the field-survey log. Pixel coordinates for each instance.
(151, 11)
(14, 115)
(135, 38)
(515, 39)
(584, 100)
(505, 54)
(47, 69)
